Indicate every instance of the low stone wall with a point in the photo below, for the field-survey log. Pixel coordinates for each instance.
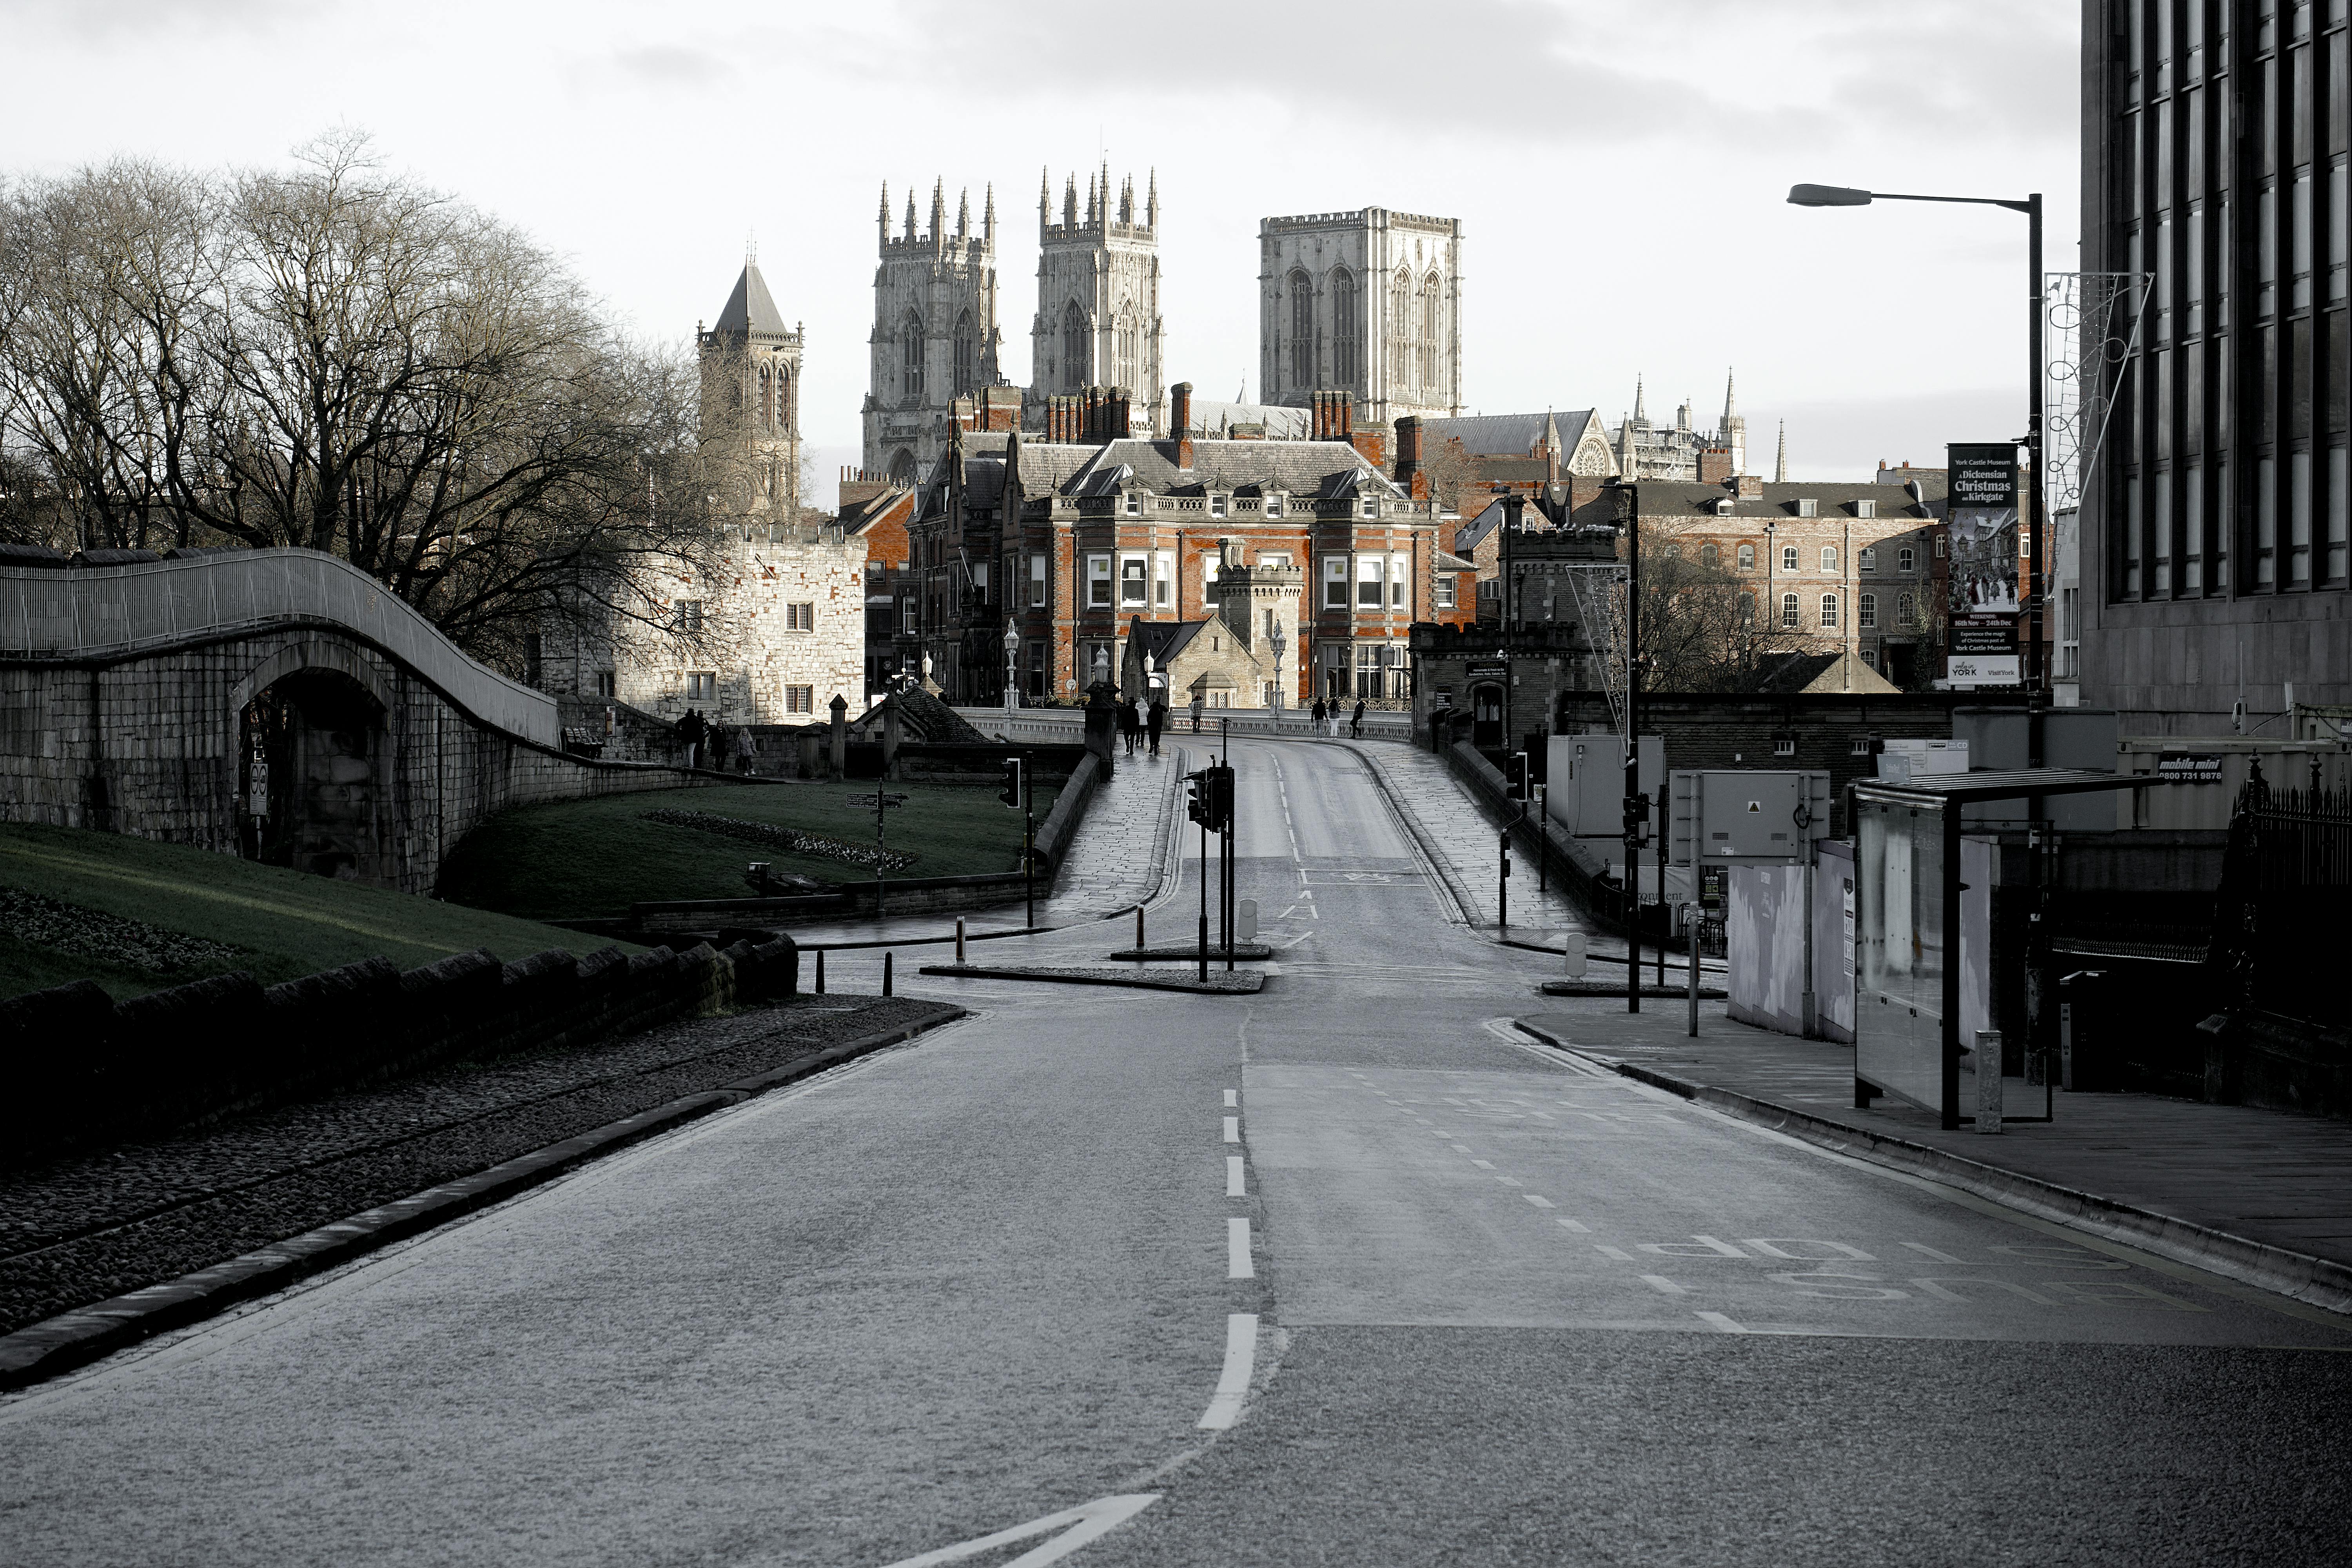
(85, 1069)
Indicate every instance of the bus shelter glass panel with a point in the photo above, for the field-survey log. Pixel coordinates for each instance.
(1899, 951)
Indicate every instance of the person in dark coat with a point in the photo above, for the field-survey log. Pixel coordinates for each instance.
(1156, 721)
(1126, 723)
(689, 734)
(1356, 724)
(1319, 711)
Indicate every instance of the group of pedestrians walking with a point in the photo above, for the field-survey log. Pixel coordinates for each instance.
(1334, 715)
(1139, 722)
(714, 746)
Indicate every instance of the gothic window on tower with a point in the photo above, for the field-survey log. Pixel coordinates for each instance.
(1344, 369)
(966, 354)
(1400, 325)
(1074, 347)
(767, 398)
(1429, 294)
(1302, 330)
(1129, 337)
(910, 356)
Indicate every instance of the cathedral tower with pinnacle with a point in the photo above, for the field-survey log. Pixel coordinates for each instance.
(751, 383)
(1098, 293)
(935, 333)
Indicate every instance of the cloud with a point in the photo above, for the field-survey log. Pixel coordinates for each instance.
(662, 65)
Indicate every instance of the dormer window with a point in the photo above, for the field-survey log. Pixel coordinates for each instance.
(1134, 503)
(1866, 509)
(1722, 507)
(1273, 506)
(1808, 507)
(1216, 506)
(1372, 506)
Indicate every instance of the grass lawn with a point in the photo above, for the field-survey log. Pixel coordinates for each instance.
(282, 923)
(584, 859)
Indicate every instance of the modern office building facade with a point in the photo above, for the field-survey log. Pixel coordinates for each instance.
(2215, 560)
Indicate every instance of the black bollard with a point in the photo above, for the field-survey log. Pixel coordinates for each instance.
(819, 972)
(886, 957)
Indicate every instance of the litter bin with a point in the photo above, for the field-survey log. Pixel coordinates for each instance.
(2085, 1030)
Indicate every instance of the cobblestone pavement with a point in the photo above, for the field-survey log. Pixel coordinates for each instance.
(81, 1230)
(1120, 852)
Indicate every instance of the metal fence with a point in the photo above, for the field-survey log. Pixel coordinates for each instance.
(2286, 880)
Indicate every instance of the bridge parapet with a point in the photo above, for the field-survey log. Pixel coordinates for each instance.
(106, 613)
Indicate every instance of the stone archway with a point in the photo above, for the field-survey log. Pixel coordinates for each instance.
(312, 758)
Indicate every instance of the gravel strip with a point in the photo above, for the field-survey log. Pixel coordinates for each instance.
(83, 1230)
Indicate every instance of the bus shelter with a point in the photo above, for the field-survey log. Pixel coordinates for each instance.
(1916, 967)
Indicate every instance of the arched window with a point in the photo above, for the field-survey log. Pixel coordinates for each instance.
(1302, 330)
(1789, 611)
(966, 354)
(1788, 558)
(1709, 556)
(902, 466)
(1344, 354)
(1430, 289)
(1829, 557)
(1077, 362)
(910, 356)
(1129, 342)
(787, 416)
(1829, 610)
(1401, 363)
(767, 399)
(1748, 558)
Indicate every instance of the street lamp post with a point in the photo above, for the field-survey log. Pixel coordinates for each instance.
(1843, 197)
(1011, 648)
(1279, 644)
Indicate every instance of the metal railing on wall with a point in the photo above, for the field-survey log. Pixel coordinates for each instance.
(2286, 879)
(117, 612)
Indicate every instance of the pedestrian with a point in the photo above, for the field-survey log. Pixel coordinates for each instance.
(1356, 724)
(689, 734)
(1319, 717)
(1196, 712)
(1156, 721)
(744, 750)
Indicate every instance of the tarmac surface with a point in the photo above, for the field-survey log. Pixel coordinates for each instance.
(1350, 1271)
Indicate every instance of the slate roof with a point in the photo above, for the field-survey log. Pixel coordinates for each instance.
(1448, 561)
(1163, 640)
(750, 308)
(1488, 435)
(1327, 470)
(1664, 498)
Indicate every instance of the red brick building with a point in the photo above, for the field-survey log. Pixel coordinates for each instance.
(1073, 537)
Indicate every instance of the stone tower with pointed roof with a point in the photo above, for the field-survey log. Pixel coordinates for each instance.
(1097, 319)
(935, 336)
(751, 382)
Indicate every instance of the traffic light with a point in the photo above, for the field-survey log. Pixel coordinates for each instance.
(1011, 794)
(1516, 776)
(1196, 798)
(1220, 797)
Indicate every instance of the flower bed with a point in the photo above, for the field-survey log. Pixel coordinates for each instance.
(794, 839)
(113, 939)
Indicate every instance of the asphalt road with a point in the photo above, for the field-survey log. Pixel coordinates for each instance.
(1344, 1272)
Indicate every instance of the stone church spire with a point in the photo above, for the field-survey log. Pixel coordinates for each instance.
(963, 214)
(939, 210)
(1781, 463)
(910, 216)
(1731, 419)
(988, 218)
(1151, 201)
(1641, 408)
(886, 215)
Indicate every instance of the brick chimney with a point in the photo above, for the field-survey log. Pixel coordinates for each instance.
(1112, 423)
(859, 485)
(1714, 465)
(1179, 421)
(1372, 443)
(1748, 486)
(1000, 408)
(1408, 455)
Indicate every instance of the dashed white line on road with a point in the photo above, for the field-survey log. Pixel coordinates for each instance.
(1484, 1165)
(1663, 1285)
(1234, 1188)
(1508, 1181)
(1237, 1250)
(1232, 1129)
(1458, 1148)
(1233, 1383)
(1721, 1321)
(1619, 1253)
(1578, 1226)
(1233, 1097)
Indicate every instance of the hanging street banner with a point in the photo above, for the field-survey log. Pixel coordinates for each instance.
(1982, 618)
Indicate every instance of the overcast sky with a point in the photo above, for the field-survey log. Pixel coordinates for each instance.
(1620, 171)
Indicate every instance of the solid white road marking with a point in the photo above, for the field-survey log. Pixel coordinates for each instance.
(1725, 1324)
(1663, 1285)
(1233, 1177)
(1237, 1250)
(1539, 1203)
(1233, 1384)
(1567, 1224)
(1233, 1097)
(1232, 1129)
(1080, 1524)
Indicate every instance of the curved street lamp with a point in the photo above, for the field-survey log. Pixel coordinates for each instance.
(1847, 196)
(1012, 648)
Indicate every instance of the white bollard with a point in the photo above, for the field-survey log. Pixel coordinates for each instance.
(1245, 922)
(1576, 943)
(959, 939)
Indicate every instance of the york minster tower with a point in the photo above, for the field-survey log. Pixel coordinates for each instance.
(1098, 291)
(935, 334)
(1367, 302)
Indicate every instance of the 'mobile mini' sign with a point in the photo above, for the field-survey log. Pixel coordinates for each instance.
(2190, 770)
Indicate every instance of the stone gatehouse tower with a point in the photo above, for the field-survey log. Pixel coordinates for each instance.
(1098, 320)
(751, 388)
(935, 336)
(1366, 302)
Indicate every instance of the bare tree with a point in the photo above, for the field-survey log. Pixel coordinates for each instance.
(1451, 471)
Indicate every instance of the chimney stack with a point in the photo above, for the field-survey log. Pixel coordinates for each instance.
(1180, 422)
(1714, 465)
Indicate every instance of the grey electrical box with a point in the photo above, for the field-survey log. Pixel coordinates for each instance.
(1584, 787)
(1748, 816)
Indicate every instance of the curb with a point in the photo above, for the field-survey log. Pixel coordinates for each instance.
(1134, 983)
(75, 1339)
(1617, 988)
(2315, 1282)
(1189, 953)
(1441, 868)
